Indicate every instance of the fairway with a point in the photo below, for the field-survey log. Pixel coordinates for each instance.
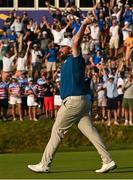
(66, 165)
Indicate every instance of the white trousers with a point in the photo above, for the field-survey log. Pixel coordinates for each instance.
(74, 110)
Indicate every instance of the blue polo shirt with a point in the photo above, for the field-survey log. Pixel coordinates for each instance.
(72, 77)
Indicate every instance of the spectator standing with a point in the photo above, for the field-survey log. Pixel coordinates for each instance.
(128, 100)
(15, 98)
(102, 101)
(95, 35)
(120, 84)
(8, 61)
(57, 97)
(49, 98)
(17, 26)
(31, 93)
(22, 61)
(3, 99)
(40, 92)
(129, 46)
(23, 82)
(114, 40)
(51, 58)
(36, 60)
(128, 14)
(112, 94)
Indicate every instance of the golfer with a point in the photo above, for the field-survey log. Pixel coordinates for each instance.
(74, 108)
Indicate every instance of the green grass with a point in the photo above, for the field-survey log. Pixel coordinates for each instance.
(66, 165)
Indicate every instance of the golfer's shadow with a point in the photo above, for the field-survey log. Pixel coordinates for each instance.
(74, 170)
(123, 170)
(118, 170)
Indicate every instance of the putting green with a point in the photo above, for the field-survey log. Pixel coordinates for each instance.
(66, 165)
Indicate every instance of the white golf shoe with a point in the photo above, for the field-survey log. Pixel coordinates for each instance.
(107, 167)
(39, 168)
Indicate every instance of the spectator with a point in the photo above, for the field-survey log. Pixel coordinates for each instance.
(22, 61)
(23, 82)
(129, 46)
(15, 98)
(40, 92)
(51, 58)
(8, 61)
(3, 99)
(49, 98)
(36, 60)
(31, 93)
(127, 14)
(114, 40)
(112, 94)
(102, 101)
(17, 26)
(97, 58)
(57, 98)
(95, 35)
(120, 84)
(128, 100)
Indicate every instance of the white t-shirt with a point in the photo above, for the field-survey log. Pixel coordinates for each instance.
(34, 55)
(58, 35)
(22, 64)
(120, 82)
(8, 63)
(125, 34)
(114, 30)
(95, 32)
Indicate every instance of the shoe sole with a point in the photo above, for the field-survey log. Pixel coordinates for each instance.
(111, 168)
(38, 171)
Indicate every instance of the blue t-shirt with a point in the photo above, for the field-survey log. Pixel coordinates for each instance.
(128, 16)
(96, 59)
(53, 55)
(72, 77)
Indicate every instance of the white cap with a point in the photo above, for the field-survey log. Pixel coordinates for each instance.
(66, 42)
(126, 22)
(30, 79)
(111, 76)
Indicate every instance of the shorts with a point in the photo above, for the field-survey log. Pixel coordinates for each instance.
(114, 43)
(1, 65)
(120, 98)
(57, 100)
(40, 101)
(4, 103)
(15, 100)
(127, 103)
(49, 103)
(24, 102)
(51, 66)
(31, 101)
(102, 102)
(112, 103)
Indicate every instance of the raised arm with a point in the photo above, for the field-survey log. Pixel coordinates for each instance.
(77, 39)
(28, 47)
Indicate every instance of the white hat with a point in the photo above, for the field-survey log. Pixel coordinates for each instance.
(35, 45)
(30, 79)
(126, 22)
(66, 42)
(111, 76)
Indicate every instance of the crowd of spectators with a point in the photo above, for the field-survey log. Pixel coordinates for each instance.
(30, 62)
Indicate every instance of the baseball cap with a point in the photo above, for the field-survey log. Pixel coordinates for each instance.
(98, 49)
(111, 76)
(30, 79)
(126, 22)
(66, 42)
(35, 45)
